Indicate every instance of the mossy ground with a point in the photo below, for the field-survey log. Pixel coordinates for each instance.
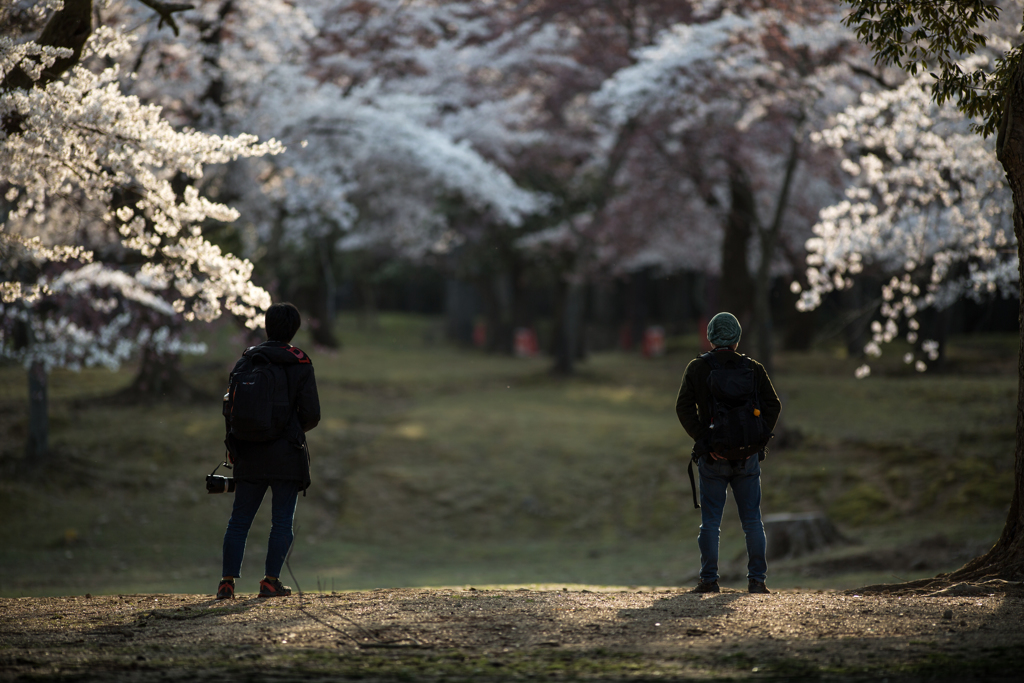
(436, 465)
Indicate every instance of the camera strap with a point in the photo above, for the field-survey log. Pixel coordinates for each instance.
(223, 464)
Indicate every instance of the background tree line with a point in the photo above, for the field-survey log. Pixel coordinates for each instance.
(533, 157)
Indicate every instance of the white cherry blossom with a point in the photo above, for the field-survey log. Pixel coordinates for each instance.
(927, 207)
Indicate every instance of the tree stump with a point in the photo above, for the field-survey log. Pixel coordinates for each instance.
(795, 534)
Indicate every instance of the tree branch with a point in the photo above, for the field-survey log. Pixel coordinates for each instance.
(877, 78)
(166, 11)
(69, 28)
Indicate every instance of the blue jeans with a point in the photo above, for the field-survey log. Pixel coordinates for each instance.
(715, 478)
(248, 496)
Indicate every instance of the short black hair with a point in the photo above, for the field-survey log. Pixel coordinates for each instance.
(282, 321)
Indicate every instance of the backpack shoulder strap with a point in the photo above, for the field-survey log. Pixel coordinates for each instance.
(747, 362)
(251, 354)
(287, 380)
(709, 358)
(259, 354)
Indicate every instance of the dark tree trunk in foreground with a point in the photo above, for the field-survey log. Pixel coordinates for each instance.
(1006, 558)
(37, 446)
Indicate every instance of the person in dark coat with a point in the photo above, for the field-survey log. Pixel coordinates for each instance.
(280, 464)
(693, 408)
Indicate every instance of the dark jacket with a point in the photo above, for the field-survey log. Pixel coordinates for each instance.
(693, 403)
(288, 456)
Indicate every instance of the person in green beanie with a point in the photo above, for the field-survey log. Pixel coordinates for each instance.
(717, 474)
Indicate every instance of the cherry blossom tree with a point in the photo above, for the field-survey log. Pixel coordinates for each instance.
(509, 82)
(971, 51)
(90, 182)
(468, 73)
(577, 161)
(720, 107)
(361, 92)
(927, 210)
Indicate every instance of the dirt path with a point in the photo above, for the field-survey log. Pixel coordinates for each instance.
(967, 633)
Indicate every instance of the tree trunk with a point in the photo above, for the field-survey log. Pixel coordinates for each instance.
(568, 332)
(798, 326)
(942, 322)
(160, 378)
(1006, 558)
(460, 310)
(567, 327)
(856, 331)
(212, 36)
(37, 446)
(769, 238)
(69, 27)
(638, 313)
(577, 321)
(498, 293)
(736, 286)
(159, 374)
(324, 302)
(367, 315)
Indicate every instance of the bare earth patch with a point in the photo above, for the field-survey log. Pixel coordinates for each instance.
(959, 633)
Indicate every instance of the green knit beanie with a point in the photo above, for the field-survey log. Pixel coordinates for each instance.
(724, 330)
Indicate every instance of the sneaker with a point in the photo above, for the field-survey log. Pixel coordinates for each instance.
(226, 590)
(272, 588)
(756, 586)
(707, 587)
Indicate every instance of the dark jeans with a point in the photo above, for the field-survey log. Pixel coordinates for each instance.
(248, 496)
(716, 476)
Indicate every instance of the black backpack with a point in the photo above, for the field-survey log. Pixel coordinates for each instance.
(737, 428)
(257, 406)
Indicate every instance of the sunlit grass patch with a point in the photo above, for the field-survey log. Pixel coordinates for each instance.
(436, 465)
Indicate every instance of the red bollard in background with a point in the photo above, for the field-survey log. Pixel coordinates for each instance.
(525, 343)
(480, 334)
(702, 334)
(654, 342)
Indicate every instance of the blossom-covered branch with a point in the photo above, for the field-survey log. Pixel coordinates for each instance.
(927, 206)
(80, 136)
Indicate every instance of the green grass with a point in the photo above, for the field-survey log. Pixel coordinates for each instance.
(435, 465)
